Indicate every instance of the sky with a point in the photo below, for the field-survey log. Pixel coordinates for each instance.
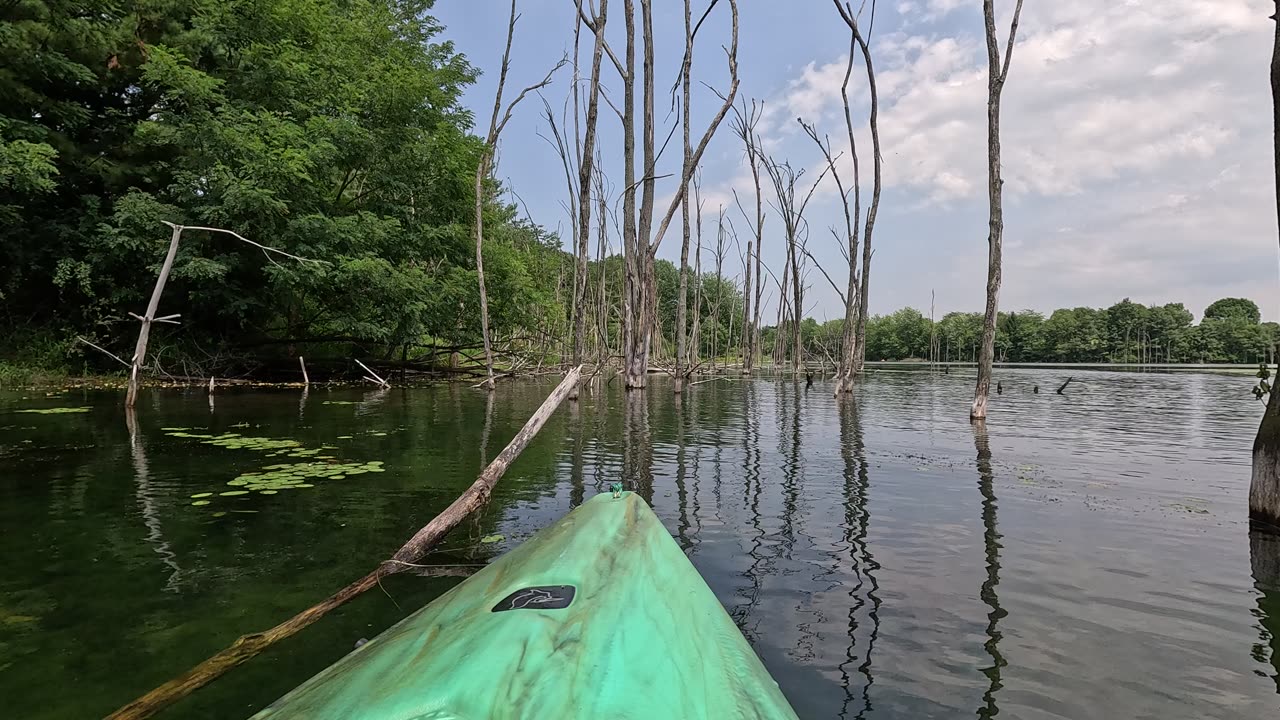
(1137, 146)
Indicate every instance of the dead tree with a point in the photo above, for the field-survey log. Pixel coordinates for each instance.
(497, 121)
(640, 238)
(144, 335)
(1264, 483)
(744, 126)
(845, 368)
(719, 285)
(859, 337)
(791, 209)
(696, 333)
(682, 298)
(997, 73)
(585, 170)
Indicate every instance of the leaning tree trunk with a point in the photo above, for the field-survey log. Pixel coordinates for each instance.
(996, 75)
(140, 351)
(1264, 485)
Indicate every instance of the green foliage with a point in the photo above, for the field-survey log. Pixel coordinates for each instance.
(1234, 309)
(331, 130)
(1124, 332)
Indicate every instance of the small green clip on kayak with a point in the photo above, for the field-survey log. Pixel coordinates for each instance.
(599, 616)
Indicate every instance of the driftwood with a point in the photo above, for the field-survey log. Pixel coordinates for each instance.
(1064, 385)
(376, 378)
(247, 646)
(306, 379)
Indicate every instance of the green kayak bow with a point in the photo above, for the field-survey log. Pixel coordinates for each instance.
(598, 616)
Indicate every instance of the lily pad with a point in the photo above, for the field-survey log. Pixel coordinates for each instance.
(232, 493)
(197, 496)
(56, 410)
(200, 502)
(490, 539)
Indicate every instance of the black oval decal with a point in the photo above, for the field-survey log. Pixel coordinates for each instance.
(543, 597)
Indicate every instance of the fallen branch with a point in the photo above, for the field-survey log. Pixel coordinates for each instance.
(1064, 385)
(376, 377)
(306, 379)
(109, 354)
(247, 646)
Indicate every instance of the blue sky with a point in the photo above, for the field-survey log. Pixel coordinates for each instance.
(1137, 141)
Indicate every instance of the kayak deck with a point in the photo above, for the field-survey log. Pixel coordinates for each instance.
(597, 616)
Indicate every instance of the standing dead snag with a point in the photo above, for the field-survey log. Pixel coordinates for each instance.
(791, 209)
(497, 122)
(997, 73)
(856, 341)
(744, 126)
(430, 535)
(584, 181)
(640, 241)
(144, 335)
(682, 297)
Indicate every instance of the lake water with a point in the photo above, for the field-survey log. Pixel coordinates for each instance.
(1082, 556)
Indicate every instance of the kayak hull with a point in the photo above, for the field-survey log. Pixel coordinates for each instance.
(597, 616)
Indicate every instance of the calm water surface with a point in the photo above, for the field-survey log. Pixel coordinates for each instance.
(1079, 557)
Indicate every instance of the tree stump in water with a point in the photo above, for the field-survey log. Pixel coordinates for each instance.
(1264, 485)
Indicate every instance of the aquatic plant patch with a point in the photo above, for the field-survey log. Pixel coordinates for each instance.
(56, 410)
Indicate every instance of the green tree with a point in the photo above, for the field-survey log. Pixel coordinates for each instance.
(1238, 308)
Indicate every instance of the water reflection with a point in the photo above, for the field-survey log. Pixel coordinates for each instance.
(864, 602)
(147, 501)
(1264, 556)
(637, 445)
(991, 543)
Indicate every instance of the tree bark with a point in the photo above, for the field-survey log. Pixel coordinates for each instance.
(996, 76)
(1264, 482)
(682, 300)
(248, 646)
(584, 182)
(140, 351)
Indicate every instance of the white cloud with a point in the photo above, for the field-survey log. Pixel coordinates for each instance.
(1136, 140)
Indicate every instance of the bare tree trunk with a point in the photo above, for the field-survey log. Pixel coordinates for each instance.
(306, 379)
(996, 75)
(584, 182)
(496, 123)
(791, 209)
(696, 354)
(861, 312)
(602, 312)
(140, 351)
(1264, 483)
(639, 314)
(745, 128)
(682, 300)
(779, 352)
(715, 307)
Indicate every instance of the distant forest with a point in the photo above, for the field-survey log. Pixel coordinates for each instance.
(1231, 331)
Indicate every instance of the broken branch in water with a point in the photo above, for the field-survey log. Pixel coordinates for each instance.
(1064, 385)
(109, 354)
(247, 646)
(376, 377)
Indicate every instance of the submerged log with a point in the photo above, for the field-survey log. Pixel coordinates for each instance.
(1064, 385)
(247, 646)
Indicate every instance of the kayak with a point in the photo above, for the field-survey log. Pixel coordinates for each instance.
(597, 616)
